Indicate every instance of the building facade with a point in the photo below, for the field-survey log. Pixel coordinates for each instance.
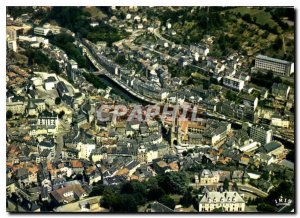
(261, 134)
(228, 201)
(281, 67)
(233, 83)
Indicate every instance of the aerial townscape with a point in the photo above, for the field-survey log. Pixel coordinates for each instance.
(150, 109)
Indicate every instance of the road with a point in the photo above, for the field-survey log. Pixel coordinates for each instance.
(242, 187)
(91, 57)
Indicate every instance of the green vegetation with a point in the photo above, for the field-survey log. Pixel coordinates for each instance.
(38, 58)
(77, 20)
(237, 29)
(187, 199)
(91, 78)
(9, 114)
(265, 80)
(168, 201)
(291, 156)
(128, 196)
(285, 189)
(16, 11)
(61, 114)
(65, 42)
(120, 59)
(261, 16)
(226, 184)
(233, 96)
(57, 100)
(263, 207)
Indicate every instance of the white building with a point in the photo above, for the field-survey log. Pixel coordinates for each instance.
(278, 121)
(85, 150)
(47, 119)
(228, 201)
(73, 64)
(41, 31)
(276, 65)
(50, 83)
(93, 24)
(209, 177)
(12, 45)
(200, 49)
(261, 134)
(233, 83)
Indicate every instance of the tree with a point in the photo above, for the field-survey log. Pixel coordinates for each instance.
(277, 80)
(61, 114)
(167, 201)
(263, 207)
(226, 184)
(235, 186)
(57, 100)
(155, 193)
(187, 199)
(97, 190)
(54, 66)
(136, 189)
(173, 183)
(247, 18)
(291, 156)
(9, 114)
(277, 44)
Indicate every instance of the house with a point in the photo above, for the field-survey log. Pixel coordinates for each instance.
(49, 83)
(209, 177)
(15, 104)
(47, 119)
(228, 201)
(261, 134)
(273, 148)
(41, 31)
(62, 88)
(250, 101)
(280, 91)
(234, 83)
(68, 194)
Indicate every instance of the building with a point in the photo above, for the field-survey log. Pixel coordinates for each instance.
(261, 134)
(11, 37)
(85, 150)
(12, 45)
(47, 118)
(278, 66)
(47, 145)
(209, 177)
(68, 194)
(274, 148)
(41, 31)
(250, 101)
(233, 83)
(280, 91)
(11, 33)
(280, 122)
(15, 104)
(228, 201)
(200, 49)
(62, 88)
(50, 83)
